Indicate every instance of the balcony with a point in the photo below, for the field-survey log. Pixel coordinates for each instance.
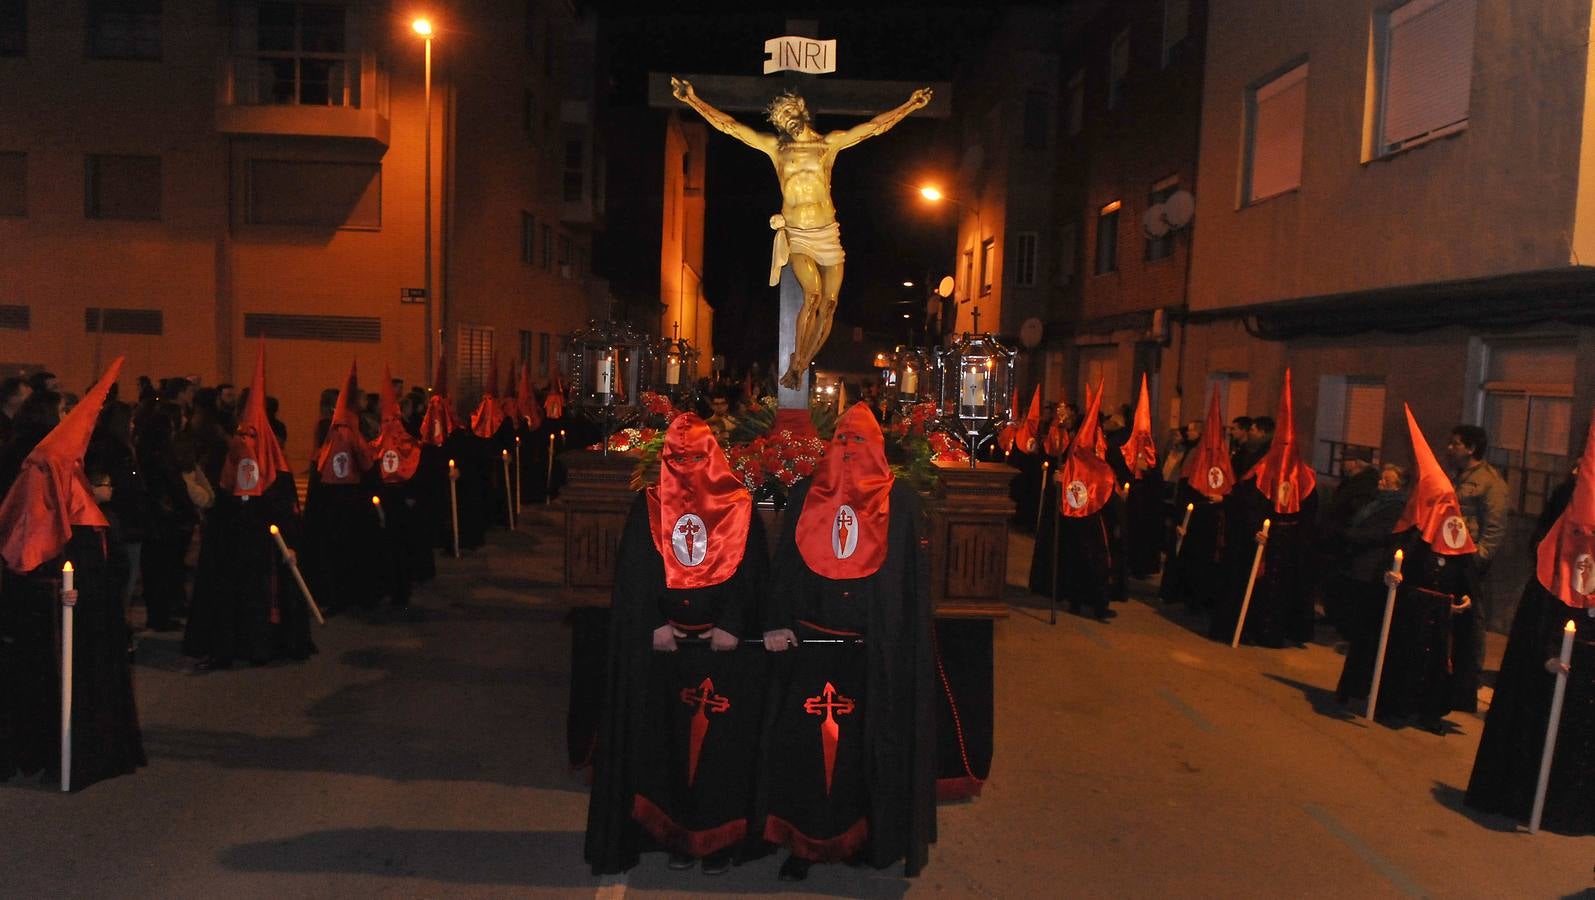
(302, 94)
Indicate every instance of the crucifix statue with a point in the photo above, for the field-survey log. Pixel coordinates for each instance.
(807, 235)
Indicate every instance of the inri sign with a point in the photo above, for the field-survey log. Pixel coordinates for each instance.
(800, 54)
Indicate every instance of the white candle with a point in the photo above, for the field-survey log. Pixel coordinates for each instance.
(910, 380)
(1384, 638)
(606, 375)
(66, 577)
(977, 382)
(382, 520)
(672, 370)
(1568, 631)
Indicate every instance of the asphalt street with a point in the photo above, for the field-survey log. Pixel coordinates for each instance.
(426, 759)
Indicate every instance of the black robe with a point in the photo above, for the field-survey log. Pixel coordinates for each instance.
(1507, 767)
(1143, 524)
(106, 739)
(1417, 678)
(1194, 575)
(341, 544)
(1085, 550)
(879, 695)
(404, 541)
(1046, 534)
(471, 456)
(246, 603)
(1281, 610)
(648, 790)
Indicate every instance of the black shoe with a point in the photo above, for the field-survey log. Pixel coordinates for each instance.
(717, 863)
(681, 862)
(795, 869)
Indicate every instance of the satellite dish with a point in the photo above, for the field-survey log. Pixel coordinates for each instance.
(944, 288)
(1155, 221)
(1030, 333)
(1179, 208)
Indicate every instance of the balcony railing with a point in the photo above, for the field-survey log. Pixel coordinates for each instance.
(339, 95)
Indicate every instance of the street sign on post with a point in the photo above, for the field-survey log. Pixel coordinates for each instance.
(412, 295)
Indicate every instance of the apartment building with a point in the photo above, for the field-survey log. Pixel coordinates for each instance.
(1397, 205)
(180, 179)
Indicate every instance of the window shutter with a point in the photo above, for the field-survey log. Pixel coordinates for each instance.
(1279, 110)
(1428, 68)
(1365, 413)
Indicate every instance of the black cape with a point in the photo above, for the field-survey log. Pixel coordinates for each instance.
(1194, 575)
(1507, 767)
(1281, 610)
(648, 791)
(890, 679)
(246, 604)
(341, 544)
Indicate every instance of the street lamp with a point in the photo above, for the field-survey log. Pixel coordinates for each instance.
(423, 27)
(934, 194)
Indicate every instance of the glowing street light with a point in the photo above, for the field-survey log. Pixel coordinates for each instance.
(422, 27)
(908, 284)
(931, 193)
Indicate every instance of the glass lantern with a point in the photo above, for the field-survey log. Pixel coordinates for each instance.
(675, 367)
(606, 374)
(913, 376)
(977, 383)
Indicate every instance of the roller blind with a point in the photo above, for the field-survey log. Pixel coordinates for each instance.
(1428, 68)
(1365, 413)
(1279, 111)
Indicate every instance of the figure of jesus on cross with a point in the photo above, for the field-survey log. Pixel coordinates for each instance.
(807, 235)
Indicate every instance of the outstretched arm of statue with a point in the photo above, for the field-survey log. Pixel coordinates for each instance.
(882, 123)
(682, 89)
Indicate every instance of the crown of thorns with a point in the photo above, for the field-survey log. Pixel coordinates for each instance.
(787, 102)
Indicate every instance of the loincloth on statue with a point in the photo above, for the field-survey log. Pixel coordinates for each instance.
(822, 244)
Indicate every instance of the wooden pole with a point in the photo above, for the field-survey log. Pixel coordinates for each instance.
(69, 602)
(454, 507)
(1551, 727)
(1251, 582)
(299, 579)
(1384, 637)
(1041, 503)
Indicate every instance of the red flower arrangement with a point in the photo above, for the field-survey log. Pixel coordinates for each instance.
(775, 461)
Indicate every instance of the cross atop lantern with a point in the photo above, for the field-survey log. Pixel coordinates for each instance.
(977, 383)
(607, 373)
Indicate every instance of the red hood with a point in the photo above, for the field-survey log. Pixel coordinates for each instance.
(841, 531)
(699, 511)
(254, 458)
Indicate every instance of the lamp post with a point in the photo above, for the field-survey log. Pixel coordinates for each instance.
(934, 194)
(423, 27)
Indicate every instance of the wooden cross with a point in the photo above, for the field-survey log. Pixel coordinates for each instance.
(833, 96)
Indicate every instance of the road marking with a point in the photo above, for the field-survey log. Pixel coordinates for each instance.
(1186, 710)
(611, 887)
(1092, 636)
(1381, 865)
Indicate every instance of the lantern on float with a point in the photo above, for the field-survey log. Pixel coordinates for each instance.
(977, 383)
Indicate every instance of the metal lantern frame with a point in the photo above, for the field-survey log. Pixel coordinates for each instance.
(976, 390)
(913, 374)
(607, 372)
(674, 355)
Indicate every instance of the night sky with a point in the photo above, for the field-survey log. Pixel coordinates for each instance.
(889, 233)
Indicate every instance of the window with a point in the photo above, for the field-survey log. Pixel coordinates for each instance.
(123, 187)
(1024, 259)
(13, 184)
(1118, 67)
(548, 248)
(574, 153)
(1161, 246)
(1108, 238)
(1076, 103)
(1424, 60)
(1275, 113)
(543, 356)
(336, 329)
(526, 350)
(1100, 365)
(124, 29)
(988, 255)
(1176, 25)
(528, 111)
(122, 321)
(1526, 407)
(565, 256)
(475, 357)
(301, 56)
(13, 27)
(1068, 251)
(1234, 389)
(969, 273)
(528, 239)
(314, 194)
(1037, 105)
